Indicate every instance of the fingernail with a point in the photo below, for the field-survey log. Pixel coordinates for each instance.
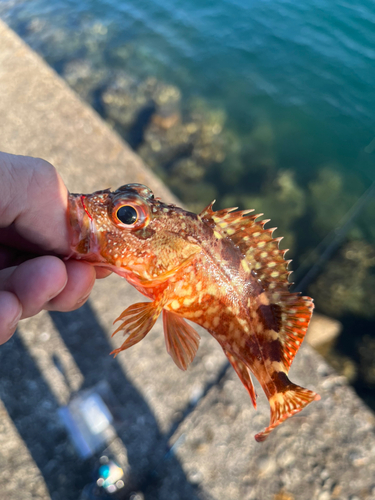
(55, 294)
(13, 324)
(84, 298)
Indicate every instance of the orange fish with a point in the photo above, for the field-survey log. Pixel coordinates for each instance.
(221, 270)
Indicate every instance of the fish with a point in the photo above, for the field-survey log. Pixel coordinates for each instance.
(222, 270)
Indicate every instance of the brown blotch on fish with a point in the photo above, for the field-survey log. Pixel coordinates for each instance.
(146, 233)
(231, 254)
(281, 381)
(272, 350)
(270, 316)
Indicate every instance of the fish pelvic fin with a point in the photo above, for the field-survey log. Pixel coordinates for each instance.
(138, 319)
(181, 340)
(285, 404)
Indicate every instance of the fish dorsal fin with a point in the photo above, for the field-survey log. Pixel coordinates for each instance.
(281, 314)
(261, 250)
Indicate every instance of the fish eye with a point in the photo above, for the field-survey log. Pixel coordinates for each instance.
(127, 215)
(130, 212)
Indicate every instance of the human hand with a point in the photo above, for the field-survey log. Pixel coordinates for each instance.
(34, 233)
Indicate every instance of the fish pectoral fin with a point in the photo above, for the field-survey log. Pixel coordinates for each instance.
(286, 404)
(181, 340)
(138, 320)
(161, 278)
(244, 373)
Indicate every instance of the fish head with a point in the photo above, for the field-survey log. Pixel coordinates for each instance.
(130, 231)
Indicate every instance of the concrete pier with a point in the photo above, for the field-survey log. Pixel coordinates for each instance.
(327, 452)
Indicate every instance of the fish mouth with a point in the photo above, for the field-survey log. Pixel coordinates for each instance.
(84, 241)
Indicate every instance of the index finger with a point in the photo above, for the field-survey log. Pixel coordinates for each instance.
(33, 209)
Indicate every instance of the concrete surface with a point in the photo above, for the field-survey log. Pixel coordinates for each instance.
(327, 452)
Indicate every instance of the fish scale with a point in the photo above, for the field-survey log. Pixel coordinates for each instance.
(221, 270)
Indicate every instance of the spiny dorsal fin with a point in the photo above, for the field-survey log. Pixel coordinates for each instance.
(256, 243)
(287, 314)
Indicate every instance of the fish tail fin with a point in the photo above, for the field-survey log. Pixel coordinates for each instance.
(285, 404)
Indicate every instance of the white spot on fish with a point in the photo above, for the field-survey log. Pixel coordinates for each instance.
(263, 299)
(259, 328)
(213, 310)
(245, 265)
(187, 302)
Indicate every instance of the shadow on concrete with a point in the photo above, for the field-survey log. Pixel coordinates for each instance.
(33, 409)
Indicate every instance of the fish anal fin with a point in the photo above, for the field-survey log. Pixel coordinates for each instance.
(138, 319)
(286, 403)
(181, 340)
(244, 374)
